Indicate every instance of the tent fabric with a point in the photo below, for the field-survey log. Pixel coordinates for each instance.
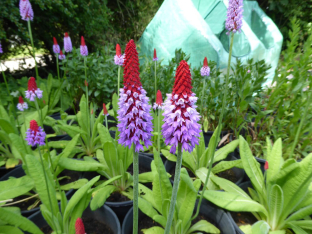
(198, 28)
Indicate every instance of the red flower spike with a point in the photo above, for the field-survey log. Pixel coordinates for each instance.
(105, 112)
(79, 226)
(66, 34)
(82, 41)
(183, 80)
(159, 100)
(131, 68)
(205, 62)
(155, 55)
(266, 165)
(32, 85)
(34, 125)
(118, 50)
(86, 83)
(54, 41)
(20, 100)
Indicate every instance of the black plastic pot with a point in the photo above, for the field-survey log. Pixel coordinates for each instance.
(4, 171)
(208, 135)
(239, 173)
(103, 215)
(163, 158)
(121, 208)
(19, 172)
(208, 210)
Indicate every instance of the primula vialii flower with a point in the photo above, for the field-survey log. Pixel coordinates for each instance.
(180, 112)
(119, 58)
(1, 51)
(26, 10)
(205, 70)
(159, 101)
(21, 104)
(35, 135)
(33, 91)
(155, 56)
(234, 19)
(105, 112)
(266, 165)
(56, 47)
(68, 47)
(134, 113)
(79, 227)
(61, 55)
(83, 47)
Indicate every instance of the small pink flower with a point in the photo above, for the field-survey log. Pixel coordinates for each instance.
(266, 165)
(105, 112)
(79, 226)
(33, 91)
(83, 47)
(155, 56)
(21, 104)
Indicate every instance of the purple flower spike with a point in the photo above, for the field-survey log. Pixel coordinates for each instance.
(68, 47)
(83, 47)
(56, 47)
(61, 55)
(155, 56)
(1, 51)
(119, 58)
(35, 135)
(26, 10)
(21, 106)
(134, 116)
(205, 70)
(180, 113)
(234, 18)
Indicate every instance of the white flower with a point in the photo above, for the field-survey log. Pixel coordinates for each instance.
(15, 94)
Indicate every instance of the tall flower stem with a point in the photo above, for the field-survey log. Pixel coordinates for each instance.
(135, 190)
(118, 84)
(155, 81)
(106, 121)
(308, 104)
(70, 94)
(87, 95)
(203, 97)
(220, 124)
(33, 47)
(46, 182)
(158, 150)
(174, 189)
(7, 87)
(58, 77)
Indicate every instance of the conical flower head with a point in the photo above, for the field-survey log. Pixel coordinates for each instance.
(134, 114)
(35, 135)
(205, 70)
(234, 19)
(61, 55)
(155, 56)
(21, 104)
(56, 47)
(33, 91)
(79, 227)
(105, 112)
(83, 47)
(68, 47)
(26, 10)
(180, 115)
(159, 101)
(119, 58)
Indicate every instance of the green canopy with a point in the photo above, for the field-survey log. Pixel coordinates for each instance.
(198, 27)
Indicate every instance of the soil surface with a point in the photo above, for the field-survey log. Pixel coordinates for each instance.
(243, 218)
(25, 204)
(71, 176)
(92, 226)
(172, 172)
(229, 175)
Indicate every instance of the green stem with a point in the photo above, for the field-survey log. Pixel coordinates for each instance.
(174, 189)
(106, 121)
(309, 100)
(58, 77)
(220, 124)
(202, 99)
(33, 47)
(155, 82)
(118, 84)
(158, 149)
(135, 190)
(87, 96)
(46, 181)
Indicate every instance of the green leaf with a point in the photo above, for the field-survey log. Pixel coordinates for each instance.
(101, 195)
(10, 230)
(74, 185)
(72, 131)
(6, 126)
(276, 203)
(222, 153)
(275, 159)
(38, 175)
(82, 115)
(251, 167)
(234, 202)
(78, 165)
(153, 230)
(226, 165)
(229, 186)
(18, 221)
(304, 224)
(260, 227)
(203, 226)
(168, 155)
(13, 187)
(76, 198)
(104, 134)
(147, 208)
(300, 214)
(110, 156)
(202, 173)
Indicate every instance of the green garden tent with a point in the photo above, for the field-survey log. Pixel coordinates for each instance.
(198, 28)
